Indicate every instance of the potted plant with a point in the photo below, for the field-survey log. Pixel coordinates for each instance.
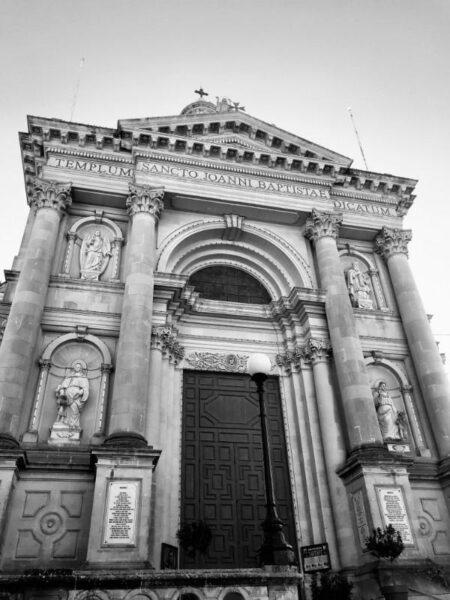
(194, 536)
(387, 544)
(332, 586)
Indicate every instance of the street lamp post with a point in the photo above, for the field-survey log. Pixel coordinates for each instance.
(275, 549)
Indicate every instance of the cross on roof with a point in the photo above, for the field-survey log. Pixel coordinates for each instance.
(201, 92)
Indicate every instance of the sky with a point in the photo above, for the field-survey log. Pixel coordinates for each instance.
(296, 63)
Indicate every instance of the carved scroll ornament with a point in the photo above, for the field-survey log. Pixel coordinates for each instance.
(208, 361)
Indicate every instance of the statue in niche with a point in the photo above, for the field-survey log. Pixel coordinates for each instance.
(71, 396)
(392, 422)
(94, 255)
(359, 287)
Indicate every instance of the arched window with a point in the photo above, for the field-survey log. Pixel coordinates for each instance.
(229, 284)
(234, 596)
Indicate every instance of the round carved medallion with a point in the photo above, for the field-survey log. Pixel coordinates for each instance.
(50, 523)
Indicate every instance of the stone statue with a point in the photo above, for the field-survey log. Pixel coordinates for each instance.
(94, 255)
(71, 396)
(358, 287)
(387, 414)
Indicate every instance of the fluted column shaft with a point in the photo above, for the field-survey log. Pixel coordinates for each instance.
(50, 199)
(392, 245)
(128, 406)
(358, 405)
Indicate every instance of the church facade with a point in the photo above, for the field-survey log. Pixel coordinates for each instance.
(157, 258)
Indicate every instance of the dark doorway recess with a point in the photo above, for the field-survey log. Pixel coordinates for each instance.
(222, 466)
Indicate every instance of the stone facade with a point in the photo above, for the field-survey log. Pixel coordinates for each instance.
(98, 323)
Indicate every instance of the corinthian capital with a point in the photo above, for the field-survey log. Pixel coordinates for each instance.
(392, 241)
(50, 194)
(322, 224)
(145, 199)
(316, 350)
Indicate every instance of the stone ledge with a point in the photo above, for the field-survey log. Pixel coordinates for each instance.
(83, 579)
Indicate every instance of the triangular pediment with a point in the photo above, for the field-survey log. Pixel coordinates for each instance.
(235, 128)
(234, 139)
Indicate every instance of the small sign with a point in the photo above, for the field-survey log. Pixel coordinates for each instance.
(315, 558)
(121, 508)
(393, 511)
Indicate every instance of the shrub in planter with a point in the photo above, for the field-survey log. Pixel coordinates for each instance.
(388, 544)
(332, 586)
(385, 543)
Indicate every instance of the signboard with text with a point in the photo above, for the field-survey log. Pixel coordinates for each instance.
(315, 558)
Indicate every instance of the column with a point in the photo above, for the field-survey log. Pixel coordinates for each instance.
(49, 199)
(333, 448)
(129, 400)
(392, 245)
(358, 405)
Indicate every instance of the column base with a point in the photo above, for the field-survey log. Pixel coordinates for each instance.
(379, 491)
(120, 521)
(126, 439)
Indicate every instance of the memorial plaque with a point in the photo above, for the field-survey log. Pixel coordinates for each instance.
(361, 517)
(393, 510)
(315, 558)
(121, 510)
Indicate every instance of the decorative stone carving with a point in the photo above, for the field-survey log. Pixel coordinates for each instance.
(392, 422)
(392, 241)
(316, 350)
(2, 328)
(208, 361)
(94, 256)
(71, 396)
(50, 194)
(233, 227)
(359, 287)
(165, 338)
(144, 198)
(322, 224)
(313, 351)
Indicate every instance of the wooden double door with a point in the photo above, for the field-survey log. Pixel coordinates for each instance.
(222, 466)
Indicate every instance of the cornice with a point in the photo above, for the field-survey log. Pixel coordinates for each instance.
(366, 196)
(49, 134)
(70, 151)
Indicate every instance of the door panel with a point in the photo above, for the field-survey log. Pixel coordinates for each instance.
(222, 465)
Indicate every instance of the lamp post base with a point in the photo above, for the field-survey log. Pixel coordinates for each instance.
(275, 549)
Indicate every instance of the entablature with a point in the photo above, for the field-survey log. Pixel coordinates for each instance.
(232, 151)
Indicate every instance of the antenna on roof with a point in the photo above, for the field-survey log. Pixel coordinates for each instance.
(77, 87)
(357, 136)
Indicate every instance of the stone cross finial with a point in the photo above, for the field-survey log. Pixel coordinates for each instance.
(322, 224)
(201, 92)
(50, 194)
(392, 241)
(145, 199)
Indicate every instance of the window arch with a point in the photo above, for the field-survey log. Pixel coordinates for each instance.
(229, 284)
